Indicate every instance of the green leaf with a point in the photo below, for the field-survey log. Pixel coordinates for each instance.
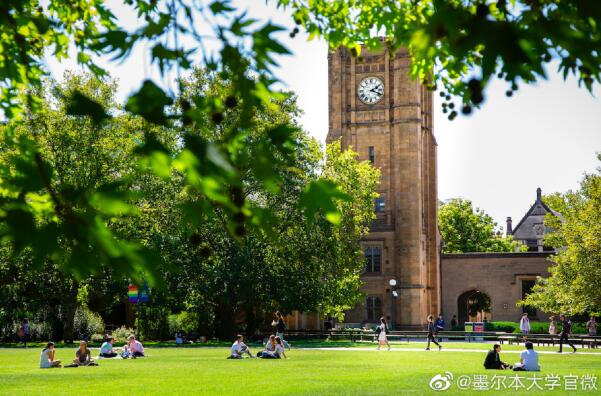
(112, 200)
(219, 7)
(81, 105)
(321, 195)
(149, 102)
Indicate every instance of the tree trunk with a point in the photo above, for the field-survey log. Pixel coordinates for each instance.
(225, 325)
(70, 306)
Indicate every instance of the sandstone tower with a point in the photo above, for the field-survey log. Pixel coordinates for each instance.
(384, 115)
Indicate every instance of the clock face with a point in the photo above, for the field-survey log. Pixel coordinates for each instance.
(371, 90)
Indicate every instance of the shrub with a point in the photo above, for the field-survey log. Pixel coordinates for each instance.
(121, 334)
(508, 327)
(86, 323)
(41, 331)
(535, 327)
(97, 338)
(184, 321)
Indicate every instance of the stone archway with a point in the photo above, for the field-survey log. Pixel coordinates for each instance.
(473, 305)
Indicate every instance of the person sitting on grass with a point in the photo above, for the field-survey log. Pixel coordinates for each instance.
(134, 347)
(106, 349)
(269, 352)
(493, 360)
(528, 359)
(47, 357)
(83, 356)
(239, 348)
(279, 348)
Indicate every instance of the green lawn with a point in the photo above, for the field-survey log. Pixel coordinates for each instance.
(308, 372)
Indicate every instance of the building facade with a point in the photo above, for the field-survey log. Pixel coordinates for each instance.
(505, 278)
(376, 109)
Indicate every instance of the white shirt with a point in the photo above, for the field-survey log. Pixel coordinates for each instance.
(525, 324)
(279, 349)
(530, 358)
(237, 347)
(45, 359)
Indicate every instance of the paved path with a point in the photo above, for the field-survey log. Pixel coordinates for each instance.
(434, 350)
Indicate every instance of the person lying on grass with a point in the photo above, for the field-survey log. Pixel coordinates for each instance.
(493, 360)
(106, 349)
(47, 357)
(134, 348)
(83, 356)
(239, 348)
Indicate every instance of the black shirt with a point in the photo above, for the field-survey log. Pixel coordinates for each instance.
(280, 326)
(492, 361)
(566, 327)
(431, 328)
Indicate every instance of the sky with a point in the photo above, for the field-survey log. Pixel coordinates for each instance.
(546, 135)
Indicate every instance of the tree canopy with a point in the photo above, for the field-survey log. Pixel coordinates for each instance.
(456, 46)
(459, 46)
(226, 278)
(464, 229)
(575, 280)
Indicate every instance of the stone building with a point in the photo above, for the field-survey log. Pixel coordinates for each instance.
(531, 229)
(504, 277)
(381, 113)
(385, 116)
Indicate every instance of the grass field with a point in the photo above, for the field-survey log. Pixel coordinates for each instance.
(351, 371)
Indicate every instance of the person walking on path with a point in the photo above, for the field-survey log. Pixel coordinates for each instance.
(566, 330)
(525, 324)
(23, 332)
(432, 333)
(591, 326)
(439, 326)
(552, 326)
(381, 332)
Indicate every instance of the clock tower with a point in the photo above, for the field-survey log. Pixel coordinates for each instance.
(376, 109)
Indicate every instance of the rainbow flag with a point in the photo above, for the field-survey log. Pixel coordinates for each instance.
(132, 293)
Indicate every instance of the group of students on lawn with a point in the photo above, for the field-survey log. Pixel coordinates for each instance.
(83, 357)
(528, 360)
(274, 349)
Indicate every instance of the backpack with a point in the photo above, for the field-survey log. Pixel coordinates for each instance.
(378, 330)
(21, 331)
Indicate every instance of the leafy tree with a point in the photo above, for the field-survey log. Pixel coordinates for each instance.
(82, 156)
(464, 229)
(575, 275)
(461, 45)
(454, 43)
(294, 264)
